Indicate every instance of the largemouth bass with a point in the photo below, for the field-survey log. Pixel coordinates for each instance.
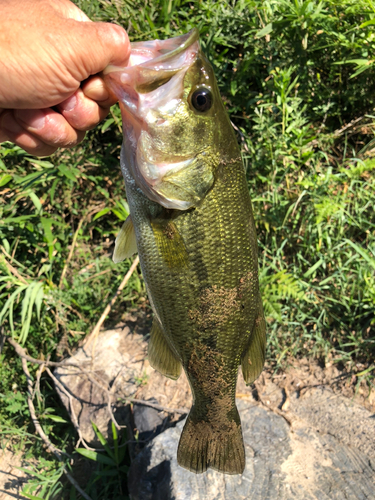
(192, 224)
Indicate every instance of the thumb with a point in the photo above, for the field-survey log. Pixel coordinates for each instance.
(95, 46)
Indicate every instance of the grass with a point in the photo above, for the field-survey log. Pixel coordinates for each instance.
(297, 78)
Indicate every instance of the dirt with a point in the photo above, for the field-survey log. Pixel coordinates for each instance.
(304, 374)
(12, 480)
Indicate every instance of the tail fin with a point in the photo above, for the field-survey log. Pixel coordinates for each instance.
(207, 444)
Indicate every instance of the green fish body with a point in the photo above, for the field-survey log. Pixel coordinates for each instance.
(192, 224)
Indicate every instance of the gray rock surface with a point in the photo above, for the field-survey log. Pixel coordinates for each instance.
(338, 416)
(148, 421)
(285, 460)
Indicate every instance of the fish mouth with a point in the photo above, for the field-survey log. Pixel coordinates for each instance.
(157, 55)
(149, 90)
(151, 65)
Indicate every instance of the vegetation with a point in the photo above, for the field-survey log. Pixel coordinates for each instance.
(297, 78)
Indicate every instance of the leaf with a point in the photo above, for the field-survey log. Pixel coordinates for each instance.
(25, 301)
(11, 299)
(38, 300)
(5, 179)
(101, 213)
(6, 245)
(46, 224)
(32, 497)
(14, 407)
(115, 442)
(313, 268)
(367, 23)
(95, 456)
(276, 287)
(40, 163)
(67, 172)
(265, 31)
(370, 260)
(118, 214)
(27, 307)
(103, 441)
(56, 418)
(107, 124)
(233, 87)
(35, 200)
(53, 189)
(17, 220)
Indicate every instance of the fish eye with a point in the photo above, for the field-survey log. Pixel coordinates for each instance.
(201, 99)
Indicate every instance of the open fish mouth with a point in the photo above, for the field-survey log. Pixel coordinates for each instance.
(150, 91)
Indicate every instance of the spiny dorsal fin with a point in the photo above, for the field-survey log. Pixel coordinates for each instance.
(160, 355)
(254, 356)
(125, 245)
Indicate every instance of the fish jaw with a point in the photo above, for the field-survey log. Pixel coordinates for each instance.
(150, 92)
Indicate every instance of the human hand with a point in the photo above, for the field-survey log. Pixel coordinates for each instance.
(46, 50)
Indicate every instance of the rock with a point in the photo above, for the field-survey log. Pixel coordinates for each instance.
(148, 421)
(114, 366)
(283, 462)
(329, 413)
(12, 472)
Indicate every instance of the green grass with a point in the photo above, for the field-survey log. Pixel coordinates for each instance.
(293, 74)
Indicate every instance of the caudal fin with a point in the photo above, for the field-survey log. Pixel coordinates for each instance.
(217, 445)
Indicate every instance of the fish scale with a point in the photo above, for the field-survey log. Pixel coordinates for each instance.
(196, 240)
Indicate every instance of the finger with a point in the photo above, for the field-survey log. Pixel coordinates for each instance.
(95, 89)
(81, 112)
(109, 44)
(49, 127)
(70, 11)
(3, 135)
(15, 133)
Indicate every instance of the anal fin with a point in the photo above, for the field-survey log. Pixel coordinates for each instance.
(160, 355)
(254, 356)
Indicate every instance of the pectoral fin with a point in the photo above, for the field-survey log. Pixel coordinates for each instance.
(254, 356)
(160, 355)
(125, 245)
(170, 243)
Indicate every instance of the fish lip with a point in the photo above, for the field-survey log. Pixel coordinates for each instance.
(183, 42)
(187, 40)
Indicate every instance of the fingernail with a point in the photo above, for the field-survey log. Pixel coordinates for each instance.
(69, 104)
(9, 124)
(32, 118)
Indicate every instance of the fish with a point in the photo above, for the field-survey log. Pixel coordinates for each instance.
(191, 222)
